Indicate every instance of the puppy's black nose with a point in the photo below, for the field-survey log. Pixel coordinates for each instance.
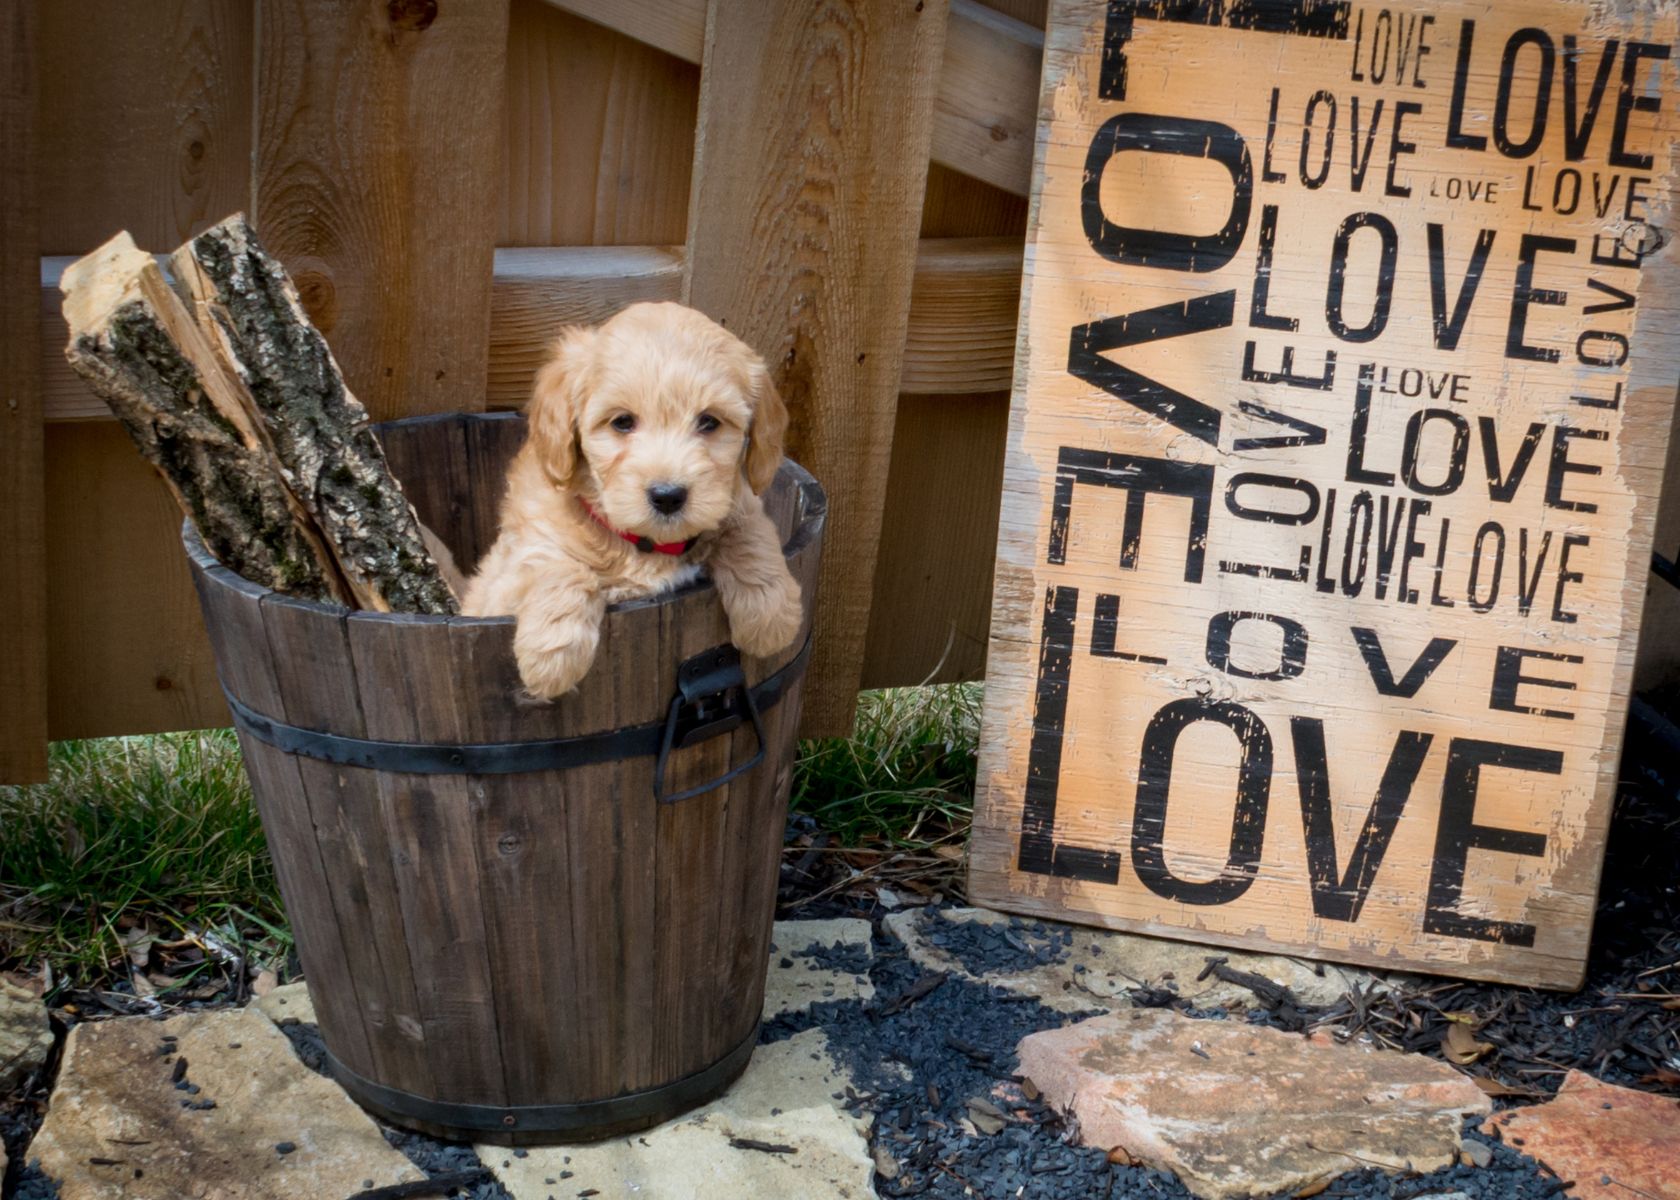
(667, 497)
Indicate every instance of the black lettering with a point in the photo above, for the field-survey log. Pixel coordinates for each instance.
(1248, 821)
(1148, 133)
(1457, 834)
(1525, 294)
(1566, 576)
(1480, 603)
(1356, 469)
(1508, 677)
(1087, 345)
(1257, 314)
(1457, 139)
(1340, 895)
(1448, 329)
(1627, 102)
(1385, 277)
(1562, 465)
(1507, 88)
(1292, 652)
(1307, 18)
(1382, 674)
(1105, 629)
(1577, 132)
(1138, 476)
(1396, 147)
(1411, 451)
(1255, 479)
(1529, 582)
(1502, 485)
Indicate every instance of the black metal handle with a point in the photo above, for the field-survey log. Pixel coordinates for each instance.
(712, 698)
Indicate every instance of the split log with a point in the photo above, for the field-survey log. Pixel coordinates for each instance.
(245, 301)
(137, 346)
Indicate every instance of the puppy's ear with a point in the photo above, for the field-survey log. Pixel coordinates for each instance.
(767, 436)
(557, 403)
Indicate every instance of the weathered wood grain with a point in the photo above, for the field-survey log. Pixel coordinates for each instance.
(988, 86)
(930, 614)
(378, 138)
(1479, 800)
(146, 114)
(23, 581)
(810, 161)
(599, 132)
(960, 336)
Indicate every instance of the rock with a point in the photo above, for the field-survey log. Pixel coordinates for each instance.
(1614, 1142)
(119, 1126)
(785, 1099)
(1477, 1154)
(1236, 1109)
(812, 961)
(25, 1036)
(290, 1002)
(1087, 969)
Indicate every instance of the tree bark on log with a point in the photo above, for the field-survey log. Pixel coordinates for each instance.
(138, 348)
(245, 301)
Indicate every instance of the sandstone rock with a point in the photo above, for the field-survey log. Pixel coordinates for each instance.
(290, 1002)
(798, 980)
(25, 1036)
(1097, 967)
(1614, 1142)
(1235, 1109)
(785, 1099)
(118, 1125)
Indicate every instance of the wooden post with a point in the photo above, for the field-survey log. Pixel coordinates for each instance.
(23, 588)
(810, 162)
(378, 141)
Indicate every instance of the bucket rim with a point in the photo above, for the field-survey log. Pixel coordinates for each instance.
(198, 554)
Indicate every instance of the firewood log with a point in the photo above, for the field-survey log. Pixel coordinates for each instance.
(247, 304)
(139, 349)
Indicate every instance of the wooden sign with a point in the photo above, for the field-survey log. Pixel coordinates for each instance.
(1347, 364)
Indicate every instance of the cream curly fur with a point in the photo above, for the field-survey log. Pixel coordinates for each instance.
(666, 372)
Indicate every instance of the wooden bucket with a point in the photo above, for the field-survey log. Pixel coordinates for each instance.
(507, 936)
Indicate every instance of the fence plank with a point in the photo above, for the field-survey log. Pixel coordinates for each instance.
(963, 304)
(988, 88)
(378, 141)
(599, 134)
(23, 596)
(810, 162)
(145, 119)
(931, 611)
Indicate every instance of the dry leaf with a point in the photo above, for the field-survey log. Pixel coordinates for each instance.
(949, 853)
(1494, 1087)
(1461, 1046)
(886, 1166)
(1463, 1018)
(1122, 1157)
(987, 1117)
(1663, 1075)
(265, 982)
(1314, 1188)
(1029, 1089)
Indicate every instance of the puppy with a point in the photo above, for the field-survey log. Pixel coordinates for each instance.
(649, 439)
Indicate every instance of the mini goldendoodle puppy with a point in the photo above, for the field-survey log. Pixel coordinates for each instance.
(649, 440)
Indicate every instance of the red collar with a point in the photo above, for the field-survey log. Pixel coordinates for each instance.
(643, 543)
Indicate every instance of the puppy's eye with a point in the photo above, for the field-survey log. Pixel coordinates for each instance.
(624, 422)
(707, 423)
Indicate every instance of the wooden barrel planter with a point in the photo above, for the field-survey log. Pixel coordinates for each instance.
(507, 935)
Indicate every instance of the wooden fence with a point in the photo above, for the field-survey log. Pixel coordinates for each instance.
(842, 181)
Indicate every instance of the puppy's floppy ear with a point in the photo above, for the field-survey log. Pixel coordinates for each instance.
(767, 436)
(557, 403)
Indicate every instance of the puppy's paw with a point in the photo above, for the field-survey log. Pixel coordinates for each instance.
(764, 621)
(554, 657)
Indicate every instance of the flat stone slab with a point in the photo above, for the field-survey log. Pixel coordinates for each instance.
(25, 1035)
(814, 961)
(791, 1139)
(288, 1003)
(1074, 968)
(1614, 1142)
(248, 1121)
(1235, 1109)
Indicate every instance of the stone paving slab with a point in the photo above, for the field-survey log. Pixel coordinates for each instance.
(1616, 1143)
(1235, 1109)
(799, 977)
(248, 1121)
(25, 1035)
(290, 1002)
(1073, 968)
(786, 1100)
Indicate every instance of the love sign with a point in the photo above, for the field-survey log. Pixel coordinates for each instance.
(1348, 359)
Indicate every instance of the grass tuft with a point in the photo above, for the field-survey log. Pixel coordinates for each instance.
(130, 831)
(904, 778)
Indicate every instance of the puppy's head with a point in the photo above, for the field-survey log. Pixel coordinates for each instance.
(657, 417)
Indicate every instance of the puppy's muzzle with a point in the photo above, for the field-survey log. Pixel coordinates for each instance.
(667, 498)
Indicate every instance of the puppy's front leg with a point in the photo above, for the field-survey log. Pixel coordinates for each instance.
(558, 628)
(759, 593)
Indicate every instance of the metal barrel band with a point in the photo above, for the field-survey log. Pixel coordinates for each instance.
(510, 758)
(634, 1110)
